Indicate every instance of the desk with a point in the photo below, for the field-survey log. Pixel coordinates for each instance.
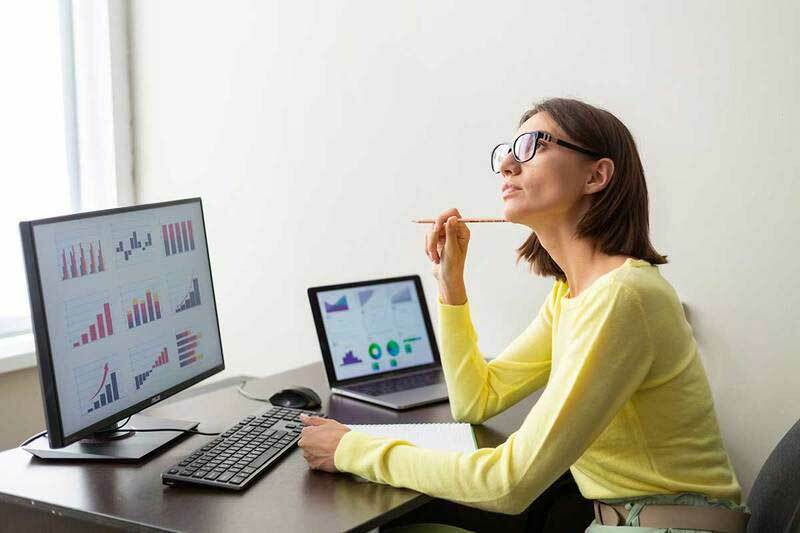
(36, 495)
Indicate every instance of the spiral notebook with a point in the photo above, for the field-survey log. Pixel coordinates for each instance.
(444, 436)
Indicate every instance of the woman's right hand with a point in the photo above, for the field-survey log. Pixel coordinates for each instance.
(446, 246)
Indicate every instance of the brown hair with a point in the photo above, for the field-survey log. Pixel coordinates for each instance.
(617, 221)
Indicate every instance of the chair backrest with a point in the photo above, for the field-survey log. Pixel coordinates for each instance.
(775, 497)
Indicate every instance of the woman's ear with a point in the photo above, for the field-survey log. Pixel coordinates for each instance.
(602, 172)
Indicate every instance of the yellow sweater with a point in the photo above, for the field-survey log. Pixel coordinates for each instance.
(626, 405)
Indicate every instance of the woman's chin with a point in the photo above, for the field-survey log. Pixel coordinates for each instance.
(511, 214)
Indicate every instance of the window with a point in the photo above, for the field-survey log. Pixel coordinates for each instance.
(34, 167)
(65, 137)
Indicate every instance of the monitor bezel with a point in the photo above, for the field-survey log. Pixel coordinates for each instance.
(322, 336)
(52, 409)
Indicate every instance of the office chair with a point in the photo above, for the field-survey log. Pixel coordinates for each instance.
(774, 499)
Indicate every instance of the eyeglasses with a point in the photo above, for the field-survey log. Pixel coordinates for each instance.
(524, 148)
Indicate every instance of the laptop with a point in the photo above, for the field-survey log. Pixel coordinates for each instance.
(377, 342)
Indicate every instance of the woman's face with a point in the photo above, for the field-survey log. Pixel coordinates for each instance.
(551, 186)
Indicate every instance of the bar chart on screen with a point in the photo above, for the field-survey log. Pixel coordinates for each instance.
(133, 244)
(188, 343)
(88, 319)
(178, 237)
(184, 290)
(150, 363)
(99, 384)
(80, 253)
(141, 302)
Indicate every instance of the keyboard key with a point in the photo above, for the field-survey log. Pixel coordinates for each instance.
(264, 457)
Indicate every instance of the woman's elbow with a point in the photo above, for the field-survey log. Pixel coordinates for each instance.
(466, 416)
(503, 506)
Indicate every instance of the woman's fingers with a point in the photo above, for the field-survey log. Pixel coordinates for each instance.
(434, 242)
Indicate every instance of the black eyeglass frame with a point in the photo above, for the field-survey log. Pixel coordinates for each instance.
(538, 136)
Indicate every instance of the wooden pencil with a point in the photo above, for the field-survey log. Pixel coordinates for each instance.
(431, 221)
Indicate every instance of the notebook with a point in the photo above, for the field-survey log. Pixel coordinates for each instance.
(447, 436)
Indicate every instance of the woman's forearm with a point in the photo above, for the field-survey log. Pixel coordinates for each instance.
(479, 390)
(453, 293)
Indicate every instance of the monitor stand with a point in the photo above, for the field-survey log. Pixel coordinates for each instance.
(121, 445)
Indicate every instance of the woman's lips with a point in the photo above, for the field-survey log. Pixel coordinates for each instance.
(508, 191)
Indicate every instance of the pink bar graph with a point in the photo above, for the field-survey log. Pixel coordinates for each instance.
(100, 329)
(191, 233)
(107, 310)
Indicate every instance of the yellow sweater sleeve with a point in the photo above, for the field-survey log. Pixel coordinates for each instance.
(609, 357)
(479, 390)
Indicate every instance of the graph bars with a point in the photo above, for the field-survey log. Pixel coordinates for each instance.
(188, 342)
(88, 319)
(184, 291)
(146, 358)
(98, 384)
(80, 253)
(142, 303)
(178, 237)
(132, 244)
(350, 359)
(340, 305)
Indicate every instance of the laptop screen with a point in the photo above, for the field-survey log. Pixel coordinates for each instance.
(372, 329)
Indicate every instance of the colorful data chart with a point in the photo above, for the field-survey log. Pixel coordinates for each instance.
(88, 319)
(350, 359)
(147, 359)
(365, 295)
(408, 343)
(80, 254)
(142, 303)
(184, 291)
(188, 342)
(375, 350)
(402, 297)
(340, 305)
(98, 384)
(178, 237)
(132, 244)
(393, 348)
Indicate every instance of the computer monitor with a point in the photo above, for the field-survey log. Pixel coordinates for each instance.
(123, 310)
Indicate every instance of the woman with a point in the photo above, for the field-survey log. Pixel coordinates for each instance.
(626, 405)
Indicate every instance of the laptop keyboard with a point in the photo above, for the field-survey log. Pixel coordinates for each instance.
(398, 384)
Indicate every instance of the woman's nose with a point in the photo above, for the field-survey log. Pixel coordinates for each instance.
(509, 166)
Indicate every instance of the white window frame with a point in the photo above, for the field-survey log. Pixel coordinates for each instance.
(95, 46)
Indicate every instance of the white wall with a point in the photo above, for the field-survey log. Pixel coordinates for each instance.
(314, 131)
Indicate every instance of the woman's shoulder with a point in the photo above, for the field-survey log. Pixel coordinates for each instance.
(644, 282)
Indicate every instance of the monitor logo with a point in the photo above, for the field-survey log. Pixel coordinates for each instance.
(154, 399)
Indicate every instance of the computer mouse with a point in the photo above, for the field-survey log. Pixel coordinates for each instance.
(296, 397)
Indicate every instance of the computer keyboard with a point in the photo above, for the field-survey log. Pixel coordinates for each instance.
(238, 456)
(398, 384)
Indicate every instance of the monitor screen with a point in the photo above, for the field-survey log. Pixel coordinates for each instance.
(373, 329)
(128, 305)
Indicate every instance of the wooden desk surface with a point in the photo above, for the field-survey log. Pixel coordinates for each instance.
(288, 497)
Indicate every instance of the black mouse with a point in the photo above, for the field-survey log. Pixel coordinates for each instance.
(296, 397)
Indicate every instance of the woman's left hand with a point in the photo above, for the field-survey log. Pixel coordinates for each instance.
(319, 439)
